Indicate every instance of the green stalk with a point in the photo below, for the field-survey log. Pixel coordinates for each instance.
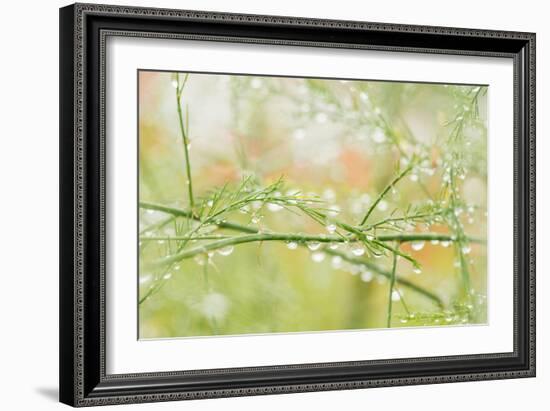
(392, 284)
(185, 140)
(385, 191)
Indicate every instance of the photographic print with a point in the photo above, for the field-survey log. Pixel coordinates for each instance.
(284, 204)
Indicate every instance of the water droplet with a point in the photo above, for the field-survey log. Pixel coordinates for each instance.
(299, 134)
(395, 296)
(321, 118)
(367, 276)
(256, 83)
(364, 96)
(200, 259)
(417, 270)
(357, 249)
(403, 320)
(336, 262)
(334, 210)
(365, 198)
(448, 319)
(445, 243)
(145, 278)
(149, 211)
(255, 219)
(466, 249)
(274, 207)
(417, 245)
(160, 242)
(318, 256)
(177, 267)
(225, 251)
(378, 136)
(434, 242)
(414, 177)
(167, 276)
(313, 245)
(383, 205)
(175, 83)
(331, 228)
(292, 245)
(210, 254)
(334, 246)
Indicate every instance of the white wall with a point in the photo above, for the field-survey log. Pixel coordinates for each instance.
(29, 206)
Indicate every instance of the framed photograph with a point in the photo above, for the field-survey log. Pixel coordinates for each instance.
(259, 204)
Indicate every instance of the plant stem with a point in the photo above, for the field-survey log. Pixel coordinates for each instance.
(384, 192)
(185, 139)
(392, 284)
(373, 267)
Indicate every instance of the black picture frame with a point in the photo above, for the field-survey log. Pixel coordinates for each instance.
(83, 30)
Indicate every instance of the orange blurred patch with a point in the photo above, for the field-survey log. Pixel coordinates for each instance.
(219, 173)
(356, 168)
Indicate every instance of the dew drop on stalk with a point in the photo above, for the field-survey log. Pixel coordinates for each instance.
(417, 270)
(318, 256)
(209, 203)
(357, 249)
(417, 245)
(225, 251)
(145, 279)
(367, 276)
(200, 259)
(175, 83)
(313, 245)
(177, 267)
(160, 242)
(292, 245)
(336, 262)
(434, 242)
(404, 320)
(333, 246)
(445, 243)
(255, 219)
(334, 210)
(466, 249)
(167, 276)
(414, 177)
(274, 207)
(331, 228)
(395, 296)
